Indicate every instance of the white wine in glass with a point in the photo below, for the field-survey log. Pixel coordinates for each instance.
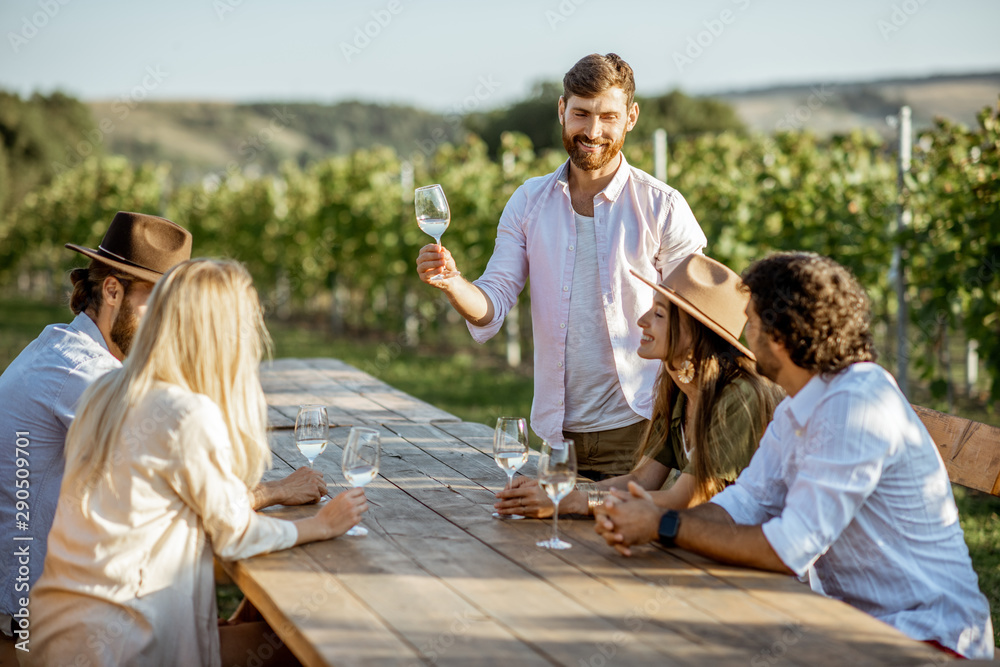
(433, 214)
(361, 461)
(510, 451)
(312, 429)
(557, 477)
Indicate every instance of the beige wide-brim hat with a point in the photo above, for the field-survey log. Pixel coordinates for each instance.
(144, 246)
(711, 293)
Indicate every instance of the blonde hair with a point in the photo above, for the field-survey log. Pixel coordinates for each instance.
(203, 331)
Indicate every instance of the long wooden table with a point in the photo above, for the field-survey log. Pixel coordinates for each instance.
(439, 581)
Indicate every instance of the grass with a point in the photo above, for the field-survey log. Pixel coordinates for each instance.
(980, 517)
(476, 385)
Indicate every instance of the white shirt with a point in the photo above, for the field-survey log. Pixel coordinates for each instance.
(594, 398)
(847, 481)
(640, 223)
(130, 581)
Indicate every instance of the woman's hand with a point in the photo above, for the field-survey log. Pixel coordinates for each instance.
(525, 497)
(343, 511)
(333, 519)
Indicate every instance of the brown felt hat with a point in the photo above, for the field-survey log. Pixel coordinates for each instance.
(141, 245)
(708, 291)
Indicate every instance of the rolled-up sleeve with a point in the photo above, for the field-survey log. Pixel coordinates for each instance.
(757, 494)
(205, 481)
(681, 235)
(842, 461)
(507, 270)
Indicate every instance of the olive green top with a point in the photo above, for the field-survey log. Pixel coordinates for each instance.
(735, 413)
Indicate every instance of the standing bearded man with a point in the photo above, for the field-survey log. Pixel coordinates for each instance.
(577, 233)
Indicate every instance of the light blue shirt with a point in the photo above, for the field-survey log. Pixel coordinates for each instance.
(39, 392)
(850, 487)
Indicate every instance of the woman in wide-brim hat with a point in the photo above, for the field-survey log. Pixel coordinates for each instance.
(710, 406)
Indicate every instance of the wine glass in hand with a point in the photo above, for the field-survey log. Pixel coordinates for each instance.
(360, 462)
(510, 451)
(557, 477)
(433, 214)
(312, 430)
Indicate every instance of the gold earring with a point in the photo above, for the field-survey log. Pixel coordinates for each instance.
(686, 372)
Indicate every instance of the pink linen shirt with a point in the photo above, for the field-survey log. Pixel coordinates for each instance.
(640, 223)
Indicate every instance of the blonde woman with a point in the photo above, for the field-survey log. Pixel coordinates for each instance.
(159, 463)
(710, 407)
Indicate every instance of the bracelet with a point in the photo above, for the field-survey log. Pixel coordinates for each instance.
(595, 496)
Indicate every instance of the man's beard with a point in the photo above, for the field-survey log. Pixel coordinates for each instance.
(768, 366)
(591, 161)
(124, 327)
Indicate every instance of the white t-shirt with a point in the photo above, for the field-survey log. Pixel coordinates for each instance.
(594, 397)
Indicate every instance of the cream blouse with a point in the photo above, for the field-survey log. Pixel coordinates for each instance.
(128, 578)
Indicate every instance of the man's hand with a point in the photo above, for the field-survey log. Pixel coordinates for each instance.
(435, 259)
(302, 487)
(625, 521)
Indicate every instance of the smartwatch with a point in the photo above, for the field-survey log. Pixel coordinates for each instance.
(670, 522)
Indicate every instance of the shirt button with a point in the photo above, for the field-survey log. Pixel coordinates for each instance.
(565, 288)
(559, 364)
(560, 402)
(571, 247)
(798, 432)
(562, 325)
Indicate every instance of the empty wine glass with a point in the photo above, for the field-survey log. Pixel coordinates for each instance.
(433, 214)
(361, 461)
(557, 477)
(312, 429)
(510, 451)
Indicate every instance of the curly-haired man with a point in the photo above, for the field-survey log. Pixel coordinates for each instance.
(846, 485)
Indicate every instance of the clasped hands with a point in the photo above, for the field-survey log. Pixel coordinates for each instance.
(624, 520)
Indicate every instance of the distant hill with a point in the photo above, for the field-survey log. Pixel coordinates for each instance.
(204, 137)
(841, 107)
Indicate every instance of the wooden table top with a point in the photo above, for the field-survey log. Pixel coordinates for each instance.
(439, 581)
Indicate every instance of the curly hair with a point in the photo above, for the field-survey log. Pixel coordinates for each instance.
(814, 307)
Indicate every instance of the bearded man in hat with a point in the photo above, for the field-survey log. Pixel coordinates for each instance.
(40, 389)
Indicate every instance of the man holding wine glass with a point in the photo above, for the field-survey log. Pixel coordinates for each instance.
(577, 233)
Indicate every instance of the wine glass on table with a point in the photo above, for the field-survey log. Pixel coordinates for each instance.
(557, 477)
(360, 462)
(433, 214)
(312, 431)
(510, 451)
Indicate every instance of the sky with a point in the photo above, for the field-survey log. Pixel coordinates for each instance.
(449, 55)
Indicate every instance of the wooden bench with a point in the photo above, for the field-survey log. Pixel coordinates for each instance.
(971, 450)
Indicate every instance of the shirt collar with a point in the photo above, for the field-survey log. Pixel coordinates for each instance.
(613, 189)
(803, 404)
(85, 325)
